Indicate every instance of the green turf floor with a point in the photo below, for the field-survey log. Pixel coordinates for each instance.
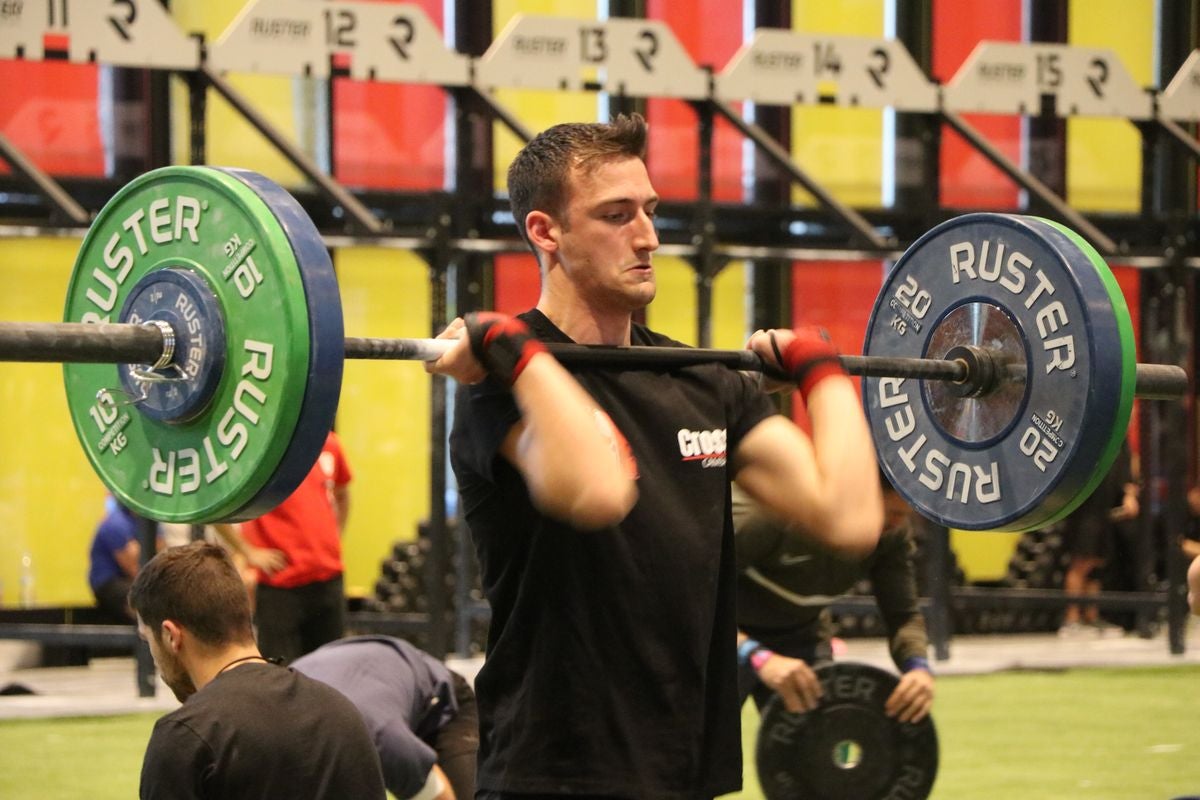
(1095, 734)
(1089, 734)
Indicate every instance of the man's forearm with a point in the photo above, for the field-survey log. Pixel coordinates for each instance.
(568, 449)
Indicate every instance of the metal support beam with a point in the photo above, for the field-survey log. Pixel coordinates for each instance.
(771, 148)
(1180, 135)
(147, 536)
(53, 634)
(938, 574)
(357, 212)
(46, 185)
(1069, 215)
(705, 264)
(505, 116)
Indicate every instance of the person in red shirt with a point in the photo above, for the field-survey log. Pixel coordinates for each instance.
(300, 598)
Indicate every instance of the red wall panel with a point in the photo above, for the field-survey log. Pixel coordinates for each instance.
(390, 136)
(838, 296)
(968, 180)
(49, 110)
(1129, 279)
(516, 283)
(711, 32)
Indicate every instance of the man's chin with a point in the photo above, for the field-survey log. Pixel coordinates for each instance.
(643, 295)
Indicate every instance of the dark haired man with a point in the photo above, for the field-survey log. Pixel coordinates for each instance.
(599, 502)
(247, 728)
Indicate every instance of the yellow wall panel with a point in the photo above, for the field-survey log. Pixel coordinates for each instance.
(537, 110)
(729, 307)
(288, 103)
(842, 148)
(983, 555)
(50, 499)
(383, 417)
(1104, 157)
(673, 311)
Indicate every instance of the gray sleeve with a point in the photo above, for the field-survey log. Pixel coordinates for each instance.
(406, 760)
(757, 534)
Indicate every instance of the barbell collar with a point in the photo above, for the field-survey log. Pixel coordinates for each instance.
(124, 343)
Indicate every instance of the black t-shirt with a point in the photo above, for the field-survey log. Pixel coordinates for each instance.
(611, 665)
(258, 731)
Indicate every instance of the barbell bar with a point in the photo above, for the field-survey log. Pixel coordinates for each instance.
(126, 343)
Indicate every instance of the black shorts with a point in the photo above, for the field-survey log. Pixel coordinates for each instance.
(112, 597)
(1088, 534)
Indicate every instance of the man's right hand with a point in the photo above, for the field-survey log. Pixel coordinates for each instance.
(458, 362)
(806, 354)
(499, 345)
(793, 680)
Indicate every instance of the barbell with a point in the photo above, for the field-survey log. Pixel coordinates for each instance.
(203, 347)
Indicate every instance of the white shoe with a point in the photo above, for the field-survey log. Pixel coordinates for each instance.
(1075, 630)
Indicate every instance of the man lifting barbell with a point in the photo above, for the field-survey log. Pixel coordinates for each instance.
(599, 502)
(992, 356)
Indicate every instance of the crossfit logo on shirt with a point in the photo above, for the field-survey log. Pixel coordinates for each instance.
(707, 447)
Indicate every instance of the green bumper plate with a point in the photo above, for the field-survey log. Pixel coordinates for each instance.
(259, 432)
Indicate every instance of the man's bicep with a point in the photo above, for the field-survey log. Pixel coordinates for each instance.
(774, 459)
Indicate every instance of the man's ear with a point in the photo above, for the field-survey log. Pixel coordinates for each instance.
(542, 230)
(172, 635)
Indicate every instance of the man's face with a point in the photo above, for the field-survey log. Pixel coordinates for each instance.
(608, 236)
(169, 665)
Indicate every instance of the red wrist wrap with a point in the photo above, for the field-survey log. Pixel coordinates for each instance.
(503, 344)
(810, 359)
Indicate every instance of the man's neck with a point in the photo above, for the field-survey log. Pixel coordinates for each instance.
(207, 666)
(584, 323)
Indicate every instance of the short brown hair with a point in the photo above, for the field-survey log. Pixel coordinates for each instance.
(196, 586)
(538, 176)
